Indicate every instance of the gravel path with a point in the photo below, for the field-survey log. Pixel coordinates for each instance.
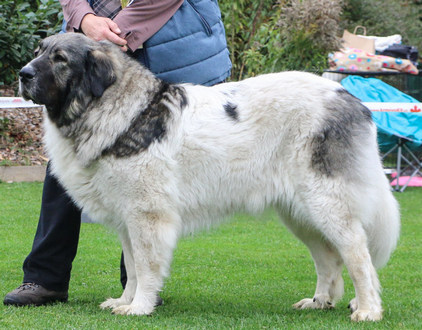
(21, 137)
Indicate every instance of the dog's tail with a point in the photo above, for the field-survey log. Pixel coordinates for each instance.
(384, 231)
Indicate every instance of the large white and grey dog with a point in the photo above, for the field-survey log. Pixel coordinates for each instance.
(155, 160)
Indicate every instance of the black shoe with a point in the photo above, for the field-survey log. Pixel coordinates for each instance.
(33, 294)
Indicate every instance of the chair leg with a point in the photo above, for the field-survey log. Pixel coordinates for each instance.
(398, 169)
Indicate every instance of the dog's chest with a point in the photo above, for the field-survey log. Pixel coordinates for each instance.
(80, 182)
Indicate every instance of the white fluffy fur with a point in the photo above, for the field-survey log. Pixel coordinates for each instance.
(208, 167)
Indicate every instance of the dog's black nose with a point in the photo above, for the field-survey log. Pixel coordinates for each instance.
(27, 72)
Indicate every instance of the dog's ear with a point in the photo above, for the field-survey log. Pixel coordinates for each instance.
(100, 72)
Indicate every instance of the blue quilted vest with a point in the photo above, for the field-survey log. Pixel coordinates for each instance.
(190, 47)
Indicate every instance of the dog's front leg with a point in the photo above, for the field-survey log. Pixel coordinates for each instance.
(153, 237)
(130, 288)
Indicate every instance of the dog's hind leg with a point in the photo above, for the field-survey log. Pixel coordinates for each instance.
(153, 237)
(328, 265)
(357, 259)
(130, 288)
(343, 230)
(329, 288)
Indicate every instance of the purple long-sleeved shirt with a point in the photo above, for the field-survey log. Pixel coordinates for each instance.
(138, 22)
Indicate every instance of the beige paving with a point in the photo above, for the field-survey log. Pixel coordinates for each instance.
(22, 173)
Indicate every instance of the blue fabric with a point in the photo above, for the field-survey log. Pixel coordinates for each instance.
(191, 46)
(374, 90)
(390, 125)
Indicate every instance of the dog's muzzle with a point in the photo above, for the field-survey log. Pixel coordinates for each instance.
(26, 77)
(26, 73)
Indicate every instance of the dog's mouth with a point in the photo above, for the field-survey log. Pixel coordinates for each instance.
(24, 90)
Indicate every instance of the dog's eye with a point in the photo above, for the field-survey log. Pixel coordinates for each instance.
(59, 58)
(36, 51)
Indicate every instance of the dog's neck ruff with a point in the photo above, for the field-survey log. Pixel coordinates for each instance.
(146, 121)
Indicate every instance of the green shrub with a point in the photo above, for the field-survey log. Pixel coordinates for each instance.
(244, 21)
(22, 25)
(267, 36)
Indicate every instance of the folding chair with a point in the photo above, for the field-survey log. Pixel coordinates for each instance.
(399, 128)
(412, 163)
(398, 118)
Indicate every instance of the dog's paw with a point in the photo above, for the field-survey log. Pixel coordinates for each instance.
(133, 310)
(318, 302)
(366, 315)
(113, 303)
(353, 305)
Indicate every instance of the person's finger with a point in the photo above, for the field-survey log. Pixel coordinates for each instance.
(115, 39)
(113, 26)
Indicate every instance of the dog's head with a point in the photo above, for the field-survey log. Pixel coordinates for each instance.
(68, 71)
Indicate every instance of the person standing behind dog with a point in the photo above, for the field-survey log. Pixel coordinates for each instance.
(179, 41)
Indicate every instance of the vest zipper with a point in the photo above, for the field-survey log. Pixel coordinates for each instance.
(203, 20)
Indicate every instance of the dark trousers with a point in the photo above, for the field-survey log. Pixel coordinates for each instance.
(56, 241)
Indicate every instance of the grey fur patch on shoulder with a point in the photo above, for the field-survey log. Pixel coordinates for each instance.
(345, 127)
(151, 123)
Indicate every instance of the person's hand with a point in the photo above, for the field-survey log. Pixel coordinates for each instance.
(102, 28)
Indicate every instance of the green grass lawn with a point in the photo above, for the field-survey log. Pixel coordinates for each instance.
(244, 274)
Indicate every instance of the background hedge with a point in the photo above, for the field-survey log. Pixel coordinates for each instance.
(263, 35)
(22, 25)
